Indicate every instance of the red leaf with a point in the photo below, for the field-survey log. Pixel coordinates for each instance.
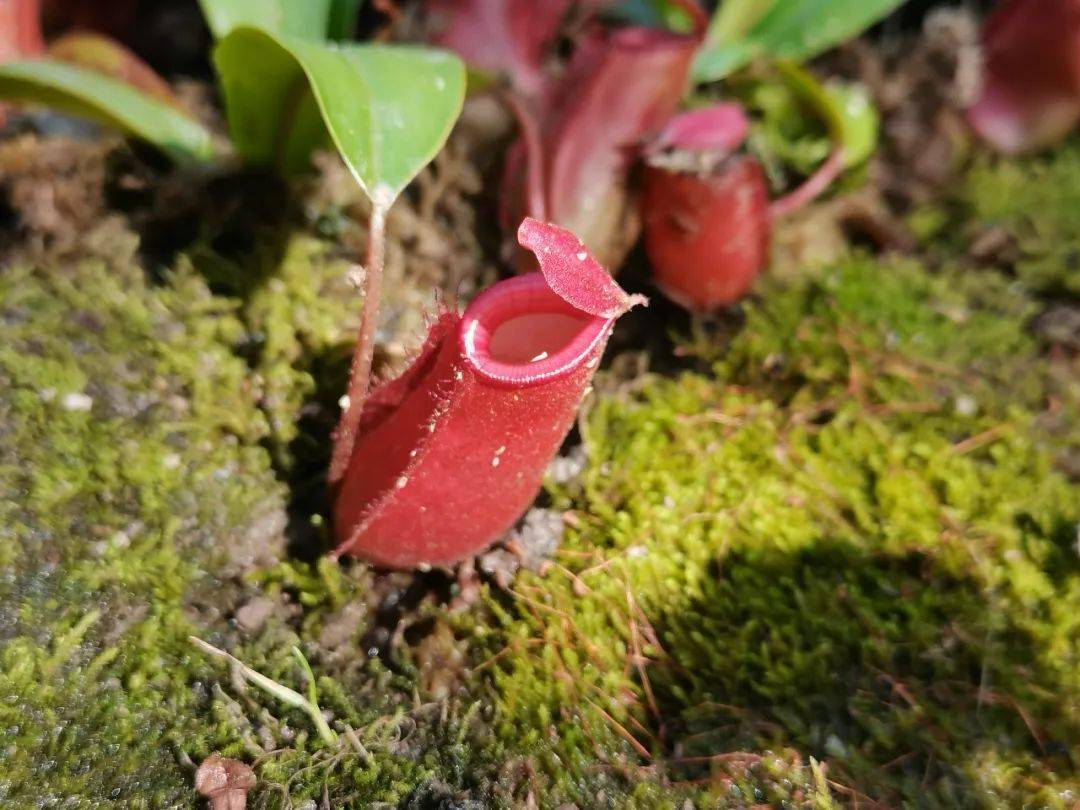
(719, 128)
(453, 451)
(618, 90)
(114, 18)
(20, 29)
(1031, 96)
(572, 273)
(707, 237)
(508, 36)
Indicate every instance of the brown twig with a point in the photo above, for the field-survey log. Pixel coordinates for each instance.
(620, 729)
(979, 439)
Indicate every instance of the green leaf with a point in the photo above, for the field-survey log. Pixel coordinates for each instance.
(343, 16)
(92, 95)
(734, 18)
(790, 29)
(785, 136)
(386, 108)
(651, 14)
(846, 110)
(309, 19)
(858, 121)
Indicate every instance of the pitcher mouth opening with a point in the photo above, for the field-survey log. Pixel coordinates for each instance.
(520, 332)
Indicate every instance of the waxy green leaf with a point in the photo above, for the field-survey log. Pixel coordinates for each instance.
(309, 19)
(93, 95)
(789, 29)
(343, 16)
(387, 109)
(858, 119)
(103, 55)
(734, 18)
(845, 109)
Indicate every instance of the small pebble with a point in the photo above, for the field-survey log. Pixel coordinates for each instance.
(251, 616)
(966, 405)
(76, 402)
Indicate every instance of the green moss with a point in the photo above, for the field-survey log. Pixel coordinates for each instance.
(835, 563)
(129, 450)
(1037, 202)
(137, 484)
(301, 313)
(820, 551)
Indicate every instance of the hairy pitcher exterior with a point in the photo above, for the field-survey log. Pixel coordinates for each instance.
(453, 451)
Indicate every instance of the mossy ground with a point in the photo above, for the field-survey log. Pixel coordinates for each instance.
(834, 562)
(854, 550)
